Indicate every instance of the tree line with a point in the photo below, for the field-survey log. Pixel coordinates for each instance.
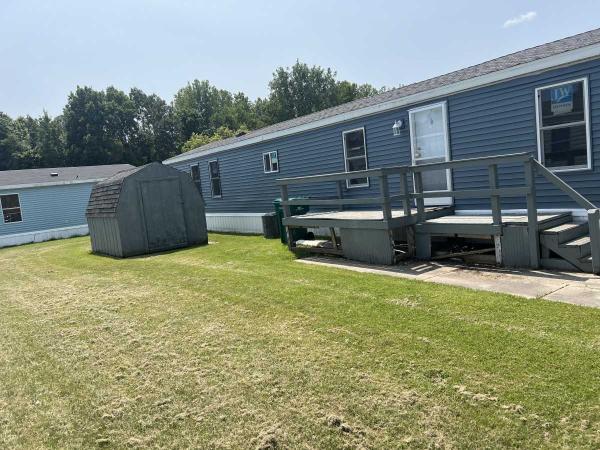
(111, 126)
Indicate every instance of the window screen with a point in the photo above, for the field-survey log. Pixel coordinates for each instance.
(11, 208)
(271, 162)
(355, 154)
(195, 174)
(215, 178)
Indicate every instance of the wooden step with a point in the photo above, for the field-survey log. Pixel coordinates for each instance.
(566, 232)
(554, 221)
(585, 264)
(580, 247)
(560, 264)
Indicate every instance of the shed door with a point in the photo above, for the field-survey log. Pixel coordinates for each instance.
(162, 205)
(429, 144)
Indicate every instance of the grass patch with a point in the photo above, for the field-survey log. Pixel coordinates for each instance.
(235, 345)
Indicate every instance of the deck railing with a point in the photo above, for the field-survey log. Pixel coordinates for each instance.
(385, 199)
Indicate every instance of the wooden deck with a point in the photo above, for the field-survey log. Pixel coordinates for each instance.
(362, 218)
(484, 224)
(488, 220)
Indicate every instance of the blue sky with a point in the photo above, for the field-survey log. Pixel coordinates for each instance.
(47, 48)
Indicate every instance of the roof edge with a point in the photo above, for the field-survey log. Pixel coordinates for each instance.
(49, 183)
(540, 65)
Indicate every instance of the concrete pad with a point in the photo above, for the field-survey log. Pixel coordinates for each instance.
(524, 286)
(568, 287)
(577, 294)
(417, 270)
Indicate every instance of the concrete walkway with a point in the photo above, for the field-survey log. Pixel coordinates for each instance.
(568, 287)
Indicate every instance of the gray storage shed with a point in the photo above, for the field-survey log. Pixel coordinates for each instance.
(146, 209)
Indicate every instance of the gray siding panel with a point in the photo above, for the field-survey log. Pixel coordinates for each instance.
(493, 120)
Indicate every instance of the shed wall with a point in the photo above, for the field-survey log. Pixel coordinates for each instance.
(107, 236)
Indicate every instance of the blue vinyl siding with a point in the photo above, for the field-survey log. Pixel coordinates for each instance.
(49, 207)
(493, 120)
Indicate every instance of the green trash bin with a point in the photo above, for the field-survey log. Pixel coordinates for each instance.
(297, 233)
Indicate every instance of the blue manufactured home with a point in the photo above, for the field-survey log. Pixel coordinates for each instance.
(542, 102)
(43, 204)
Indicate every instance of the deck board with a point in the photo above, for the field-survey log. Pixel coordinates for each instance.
(359, 215)
(488, 220)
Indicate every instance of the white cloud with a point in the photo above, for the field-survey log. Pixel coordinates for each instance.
(521, 18)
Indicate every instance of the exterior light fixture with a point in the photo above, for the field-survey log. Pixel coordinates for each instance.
(398, 127)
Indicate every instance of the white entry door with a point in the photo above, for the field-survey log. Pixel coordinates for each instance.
(429, 144)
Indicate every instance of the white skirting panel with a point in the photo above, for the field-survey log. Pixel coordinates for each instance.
(246, 223)
(43, 235)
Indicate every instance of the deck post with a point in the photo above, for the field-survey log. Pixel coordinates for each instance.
(286, 212)
(420, 200)
(594, 227)
(406, 201)
(407, 208)
(340, 193)
(384, 189)
(495, 199)
(532, 222)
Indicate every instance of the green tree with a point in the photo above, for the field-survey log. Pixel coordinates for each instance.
(25, 155)
(98, 126)
(154, 136)
(50, 141)
(347, 91)
(302, 90)
(199, 108)
(8, 142)
(199, 139)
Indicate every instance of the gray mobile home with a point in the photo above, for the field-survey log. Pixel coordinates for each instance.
(540, 105)
(146, 209)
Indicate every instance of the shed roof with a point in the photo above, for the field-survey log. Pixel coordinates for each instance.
(104, 198)
(63, 175)
(495, 65)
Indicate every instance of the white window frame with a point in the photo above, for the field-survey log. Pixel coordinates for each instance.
(20, 208)
(586, 122)
(411, 124)
(344, 133)
(270, 161)
(211, 178)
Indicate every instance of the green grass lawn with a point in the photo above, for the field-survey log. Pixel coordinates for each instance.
(236, 345)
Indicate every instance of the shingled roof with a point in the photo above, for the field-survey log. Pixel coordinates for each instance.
(505, 62)
(58, 175)
(104, 198)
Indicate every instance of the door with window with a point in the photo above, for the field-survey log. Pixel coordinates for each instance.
(429, 144)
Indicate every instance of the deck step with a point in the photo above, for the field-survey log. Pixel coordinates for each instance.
(569, 241)
(566, 232)
(557, 220)
(585, 264)
(580, 247)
